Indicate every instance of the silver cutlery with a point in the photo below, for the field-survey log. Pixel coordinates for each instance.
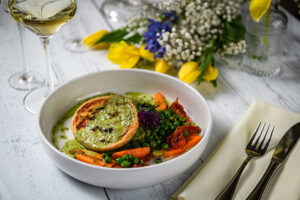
(253, 149)
(284, 147)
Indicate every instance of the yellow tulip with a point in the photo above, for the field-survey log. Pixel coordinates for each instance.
(147, 55)
(189, 72)
(162, 66)
(122, 53)
(211, 73)
(91, 39)
(258, 8)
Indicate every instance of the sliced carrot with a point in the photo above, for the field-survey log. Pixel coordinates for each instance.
(160, 101)
(92, 159)
(173, 152)
(137, 152)
(192, 140)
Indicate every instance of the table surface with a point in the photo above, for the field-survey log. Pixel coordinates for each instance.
(27, 172)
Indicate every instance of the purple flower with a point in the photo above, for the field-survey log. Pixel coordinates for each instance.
(160, 53)
(155, 29)
(148, 119)
(172, 16)
(166, 26)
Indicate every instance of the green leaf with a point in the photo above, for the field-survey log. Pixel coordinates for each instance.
(113, 36)
(234, 31)
(205, 61)
(214, 82)
(136, 38)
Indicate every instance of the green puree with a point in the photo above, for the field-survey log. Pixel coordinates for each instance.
(109, 125)
(70, 145)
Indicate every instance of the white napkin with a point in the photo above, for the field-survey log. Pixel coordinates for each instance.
(221, 166)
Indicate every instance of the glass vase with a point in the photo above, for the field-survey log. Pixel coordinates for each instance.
(264, 42)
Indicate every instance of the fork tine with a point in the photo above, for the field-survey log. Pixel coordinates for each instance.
(268, 142)
(254, 134)
(256, 142)
(262, 142)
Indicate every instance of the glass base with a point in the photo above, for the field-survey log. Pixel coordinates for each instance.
(26, 80)
(75, 45)
(270, 67)
(34, 99)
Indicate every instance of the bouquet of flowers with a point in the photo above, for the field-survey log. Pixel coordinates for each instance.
(180, 35)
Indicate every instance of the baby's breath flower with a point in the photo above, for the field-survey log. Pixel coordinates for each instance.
(199, 22)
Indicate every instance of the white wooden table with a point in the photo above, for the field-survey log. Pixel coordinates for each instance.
(25, 170)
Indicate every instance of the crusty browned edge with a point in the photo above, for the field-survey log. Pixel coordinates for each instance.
(131, 130)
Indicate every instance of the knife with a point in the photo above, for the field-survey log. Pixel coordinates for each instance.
(282, 150)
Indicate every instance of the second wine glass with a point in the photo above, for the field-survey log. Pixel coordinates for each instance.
(44, 18)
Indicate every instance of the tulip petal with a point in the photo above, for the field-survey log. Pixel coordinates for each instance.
(162, 66)
(131, 62)
(191, 77)
(93, 38)
(146, 54)
(211, 73)
(258, 8)
(187, 68)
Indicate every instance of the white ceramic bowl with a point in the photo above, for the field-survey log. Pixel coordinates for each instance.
(121, 81)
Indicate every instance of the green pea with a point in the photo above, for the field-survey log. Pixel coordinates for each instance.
(158, 160)
(141, 162)
(146, 145)
(125, 157)
(172, 127)
(107, 159)
(168, 114)
(104, 155)
(151, 138)
(162, 132)
(186, 123)
(119, 160)
(126, 163)
(135, 160)
(153, 144)
(185, 133)
(176, 123)
(182, 119)
(165, 146)
(130, 157)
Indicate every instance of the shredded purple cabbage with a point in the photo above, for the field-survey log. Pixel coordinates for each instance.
(149, 119)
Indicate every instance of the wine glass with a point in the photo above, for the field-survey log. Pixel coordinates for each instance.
(25, 79)
(115, 14)
(44, 18)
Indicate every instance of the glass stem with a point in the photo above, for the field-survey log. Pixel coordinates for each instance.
(23, 57)
(49, 73)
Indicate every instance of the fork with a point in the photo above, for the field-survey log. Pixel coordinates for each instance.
(252, 150)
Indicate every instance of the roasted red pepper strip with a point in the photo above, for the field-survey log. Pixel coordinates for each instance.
(179, 110)
(176, 139)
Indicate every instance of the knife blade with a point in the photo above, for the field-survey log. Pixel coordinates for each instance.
(284, 147)
(286, 143)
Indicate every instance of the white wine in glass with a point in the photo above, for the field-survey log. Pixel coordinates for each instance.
(44, 18)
